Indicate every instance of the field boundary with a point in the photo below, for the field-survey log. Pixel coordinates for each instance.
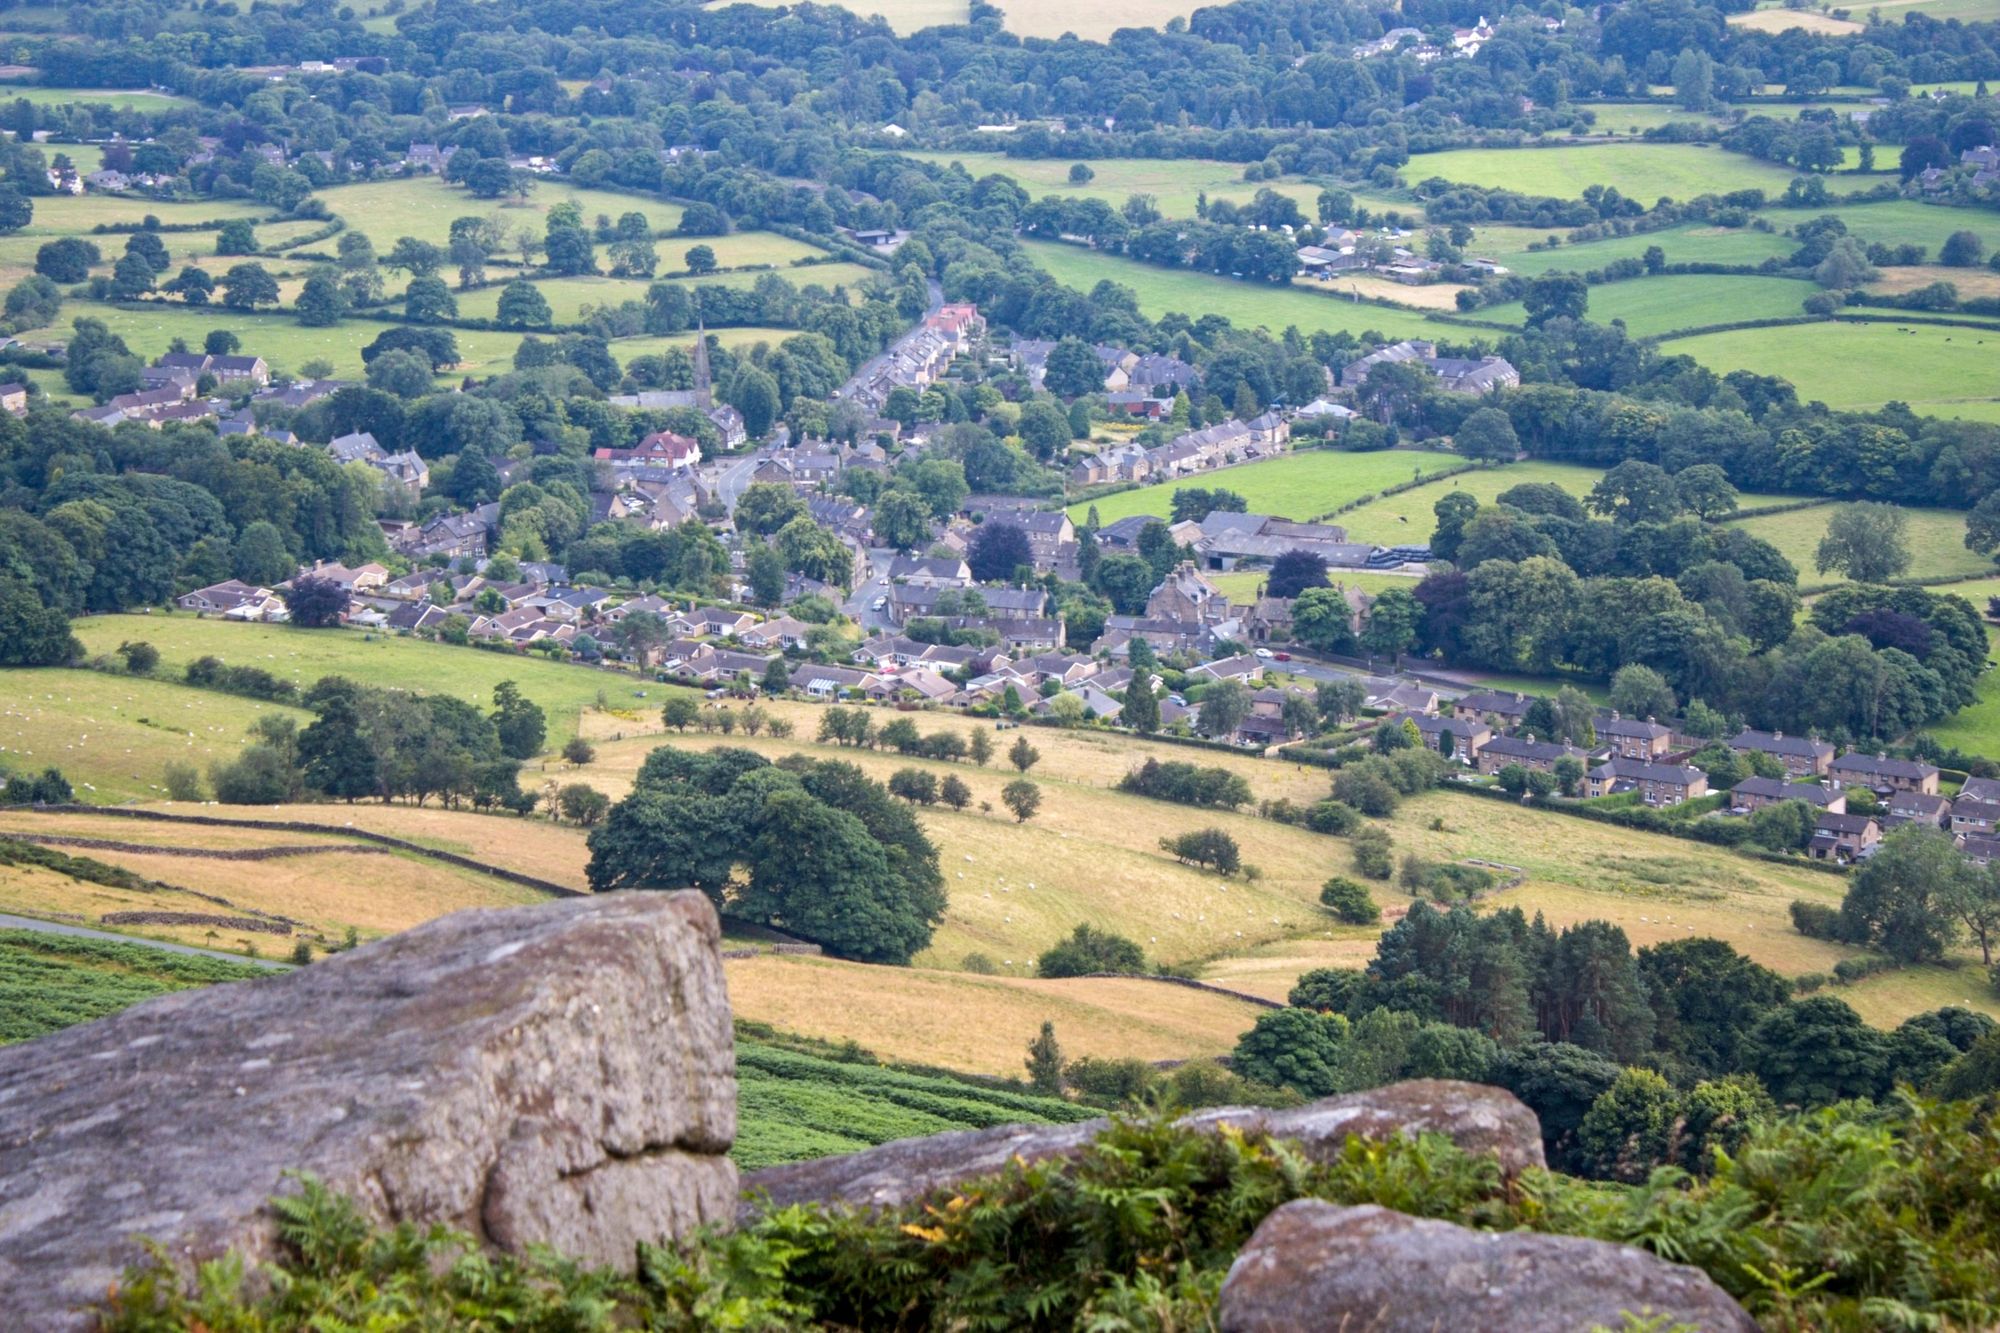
(303, 826)
(1189, 982)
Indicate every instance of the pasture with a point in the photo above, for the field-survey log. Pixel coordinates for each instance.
(1642, 171)
(1298, 485)
(1795, 20)
(1970, 282)
(905, 16)
(113, 736)
(562, 690)
(48, 982)
(1977, 728)
(325, 887)
(1858, 365)
(424, 206)
(76, 214)
(1910, 222)
(1244, 586)
(150, 328)
(1174, 183)
(116, 99)
(1406, 518)
(792, 1106)
(1245, 304)
(1936, 538)
(1653, 306)
(982, 1024)
(1681, 245)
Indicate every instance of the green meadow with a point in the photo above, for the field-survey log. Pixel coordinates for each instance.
(1642, 171)
(303, 656)
(424, 206)
(1298, 485)
(1936, 539)
(1653, 306)
(1246, 304)
(1681, 245)
(1174, 183)
(1938, 369)
(149, 329)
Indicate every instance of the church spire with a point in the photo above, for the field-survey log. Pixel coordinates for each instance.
(704, 389)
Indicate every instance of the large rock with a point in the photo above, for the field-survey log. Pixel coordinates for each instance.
(1478, 1118)
(1313, 1265)
(561, 1073)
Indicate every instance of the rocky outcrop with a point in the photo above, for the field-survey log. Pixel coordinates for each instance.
(561, 1073)
(1313, 1265)
(1478, 1118)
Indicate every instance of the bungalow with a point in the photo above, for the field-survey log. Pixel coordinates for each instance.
(233, 598)
(359, 580)
(356, 447)
(784, 632)
(14, 398)
(1753, 794)
(1657, 784)
(1138, 403)
(1843, 838)
(1799, 755)
(824, 682)
(1540, 756)
(1881, 774)
(709, 663)
(418, 618)
(718, 621)
(661, 449)
(1915, 807)
(1242, 667)
(1505, 710)
(1403, 697)
(1981, 789)
(1629, 738)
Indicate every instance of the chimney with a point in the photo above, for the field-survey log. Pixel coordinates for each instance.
(1777, 735)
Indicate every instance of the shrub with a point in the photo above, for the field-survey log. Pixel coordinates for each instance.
(1371, 853)
(1187, 784)
(579, 751)
(1210, 848)
(1089, 950)
(914, 785)
(1816, 921)
(1349, 902)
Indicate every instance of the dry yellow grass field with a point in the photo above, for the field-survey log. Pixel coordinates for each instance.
(1970, 282)
(348, 884)
(980, 1024)
(1802, 20)
(1091, 855)
(1430, 296)
(533, 846)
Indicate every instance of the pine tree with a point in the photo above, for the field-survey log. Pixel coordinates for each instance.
(1045, 1062)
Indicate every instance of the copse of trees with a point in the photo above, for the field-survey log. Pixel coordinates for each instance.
(1187, 784)
(1632, 1060)
(814, 848)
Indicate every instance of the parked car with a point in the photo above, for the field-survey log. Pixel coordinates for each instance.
(1266, 654)
(1284, 657)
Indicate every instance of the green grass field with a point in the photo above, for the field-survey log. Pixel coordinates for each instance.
(905, 16)
(76, 214)
(1931, 367)
(562, 690)
(1396, 520)
(792, 1106)
(1682, 245)
(1245, 304)
(423, 207)
(113, 736)
(1936, 537)
(1300, 485)
(1645, 172)
(1909, 222)
(747, 335)
(49, 982)
(149, 330)
(569, 298)
(1244, 586)
(118, 99)
(1653, 306)
(1174, 183)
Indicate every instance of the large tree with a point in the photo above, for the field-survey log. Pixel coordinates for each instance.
(1905, 899)
(1867, 542)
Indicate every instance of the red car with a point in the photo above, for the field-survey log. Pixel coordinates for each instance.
(1284, 657)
